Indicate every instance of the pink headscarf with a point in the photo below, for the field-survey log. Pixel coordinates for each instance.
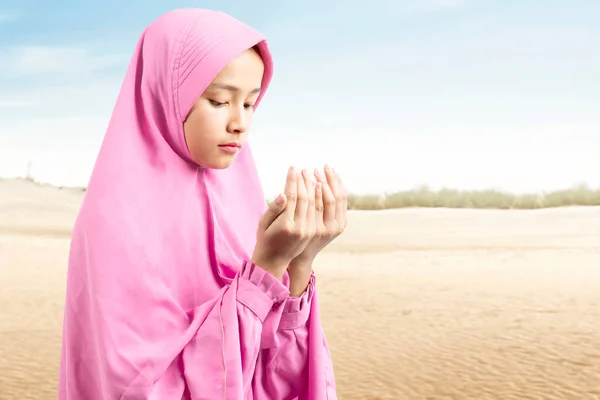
(156, 235)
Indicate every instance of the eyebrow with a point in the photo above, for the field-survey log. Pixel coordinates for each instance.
(232, 88)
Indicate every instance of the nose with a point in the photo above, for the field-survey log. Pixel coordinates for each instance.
(239, 120)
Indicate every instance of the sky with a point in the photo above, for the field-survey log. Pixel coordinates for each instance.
(464, 94)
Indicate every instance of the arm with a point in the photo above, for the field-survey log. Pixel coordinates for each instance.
(301, 362)
(221, 359)
(298, 365)
(304, 356)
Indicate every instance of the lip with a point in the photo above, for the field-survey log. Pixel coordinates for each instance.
(231, 148)
(231, 144)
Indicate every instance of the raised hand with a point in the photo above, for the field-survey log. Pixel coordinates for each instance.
(331, 204)
(287, 226)
(330, 216)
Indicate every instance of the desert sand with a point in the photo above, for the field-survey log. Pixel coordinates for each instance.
(417, 303)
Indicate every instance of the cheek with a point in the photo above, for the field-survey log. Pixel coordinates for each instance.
(194, 132)
(202, 121)
(202, 131)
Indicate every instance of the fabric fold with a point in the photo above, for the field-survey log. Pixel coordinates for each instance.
(297, 309)
(270, 290)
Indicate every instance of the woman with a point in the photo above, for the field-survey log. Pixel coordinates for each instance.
(182, 284)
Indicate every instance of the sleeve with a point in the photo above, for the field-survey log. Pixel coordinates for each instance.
(290, 368)
(221, 359)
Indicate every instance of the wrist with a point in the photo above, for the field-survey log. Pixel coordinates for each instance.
(302, 262)
(273, 267)
(300, 272)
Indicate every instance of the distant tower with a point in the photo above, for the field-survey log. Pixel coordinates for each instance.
(29, 176)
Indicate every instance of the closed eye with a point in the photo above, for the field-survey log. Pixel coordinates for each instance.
(216, 103)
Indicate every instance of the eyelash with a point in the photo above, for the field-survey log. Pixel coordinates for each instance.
(219, 104)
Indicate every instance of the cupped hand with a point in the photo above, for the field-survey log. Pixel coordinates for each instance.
(331, 204)
(287, 226)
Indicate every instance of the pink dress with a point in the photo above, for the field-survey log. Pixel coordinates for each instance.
(162, 302)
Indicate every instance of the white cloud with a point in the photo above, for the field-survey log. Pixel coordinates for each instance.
(62, 149)
(92, 94)
(56, 117)
(30, 60)
(14, 103)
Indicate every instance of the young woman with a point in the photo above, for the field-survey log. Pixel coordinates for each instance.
(182, 283)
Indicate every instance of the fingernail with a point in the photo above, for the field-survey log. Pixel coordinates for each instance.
(279, 199)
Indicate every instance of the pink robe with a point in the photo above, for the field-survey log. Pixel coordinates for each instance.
(162, 301)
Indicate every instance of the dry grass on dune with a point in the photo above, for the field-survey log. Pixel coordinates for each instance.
(581, 195)
(425, 197)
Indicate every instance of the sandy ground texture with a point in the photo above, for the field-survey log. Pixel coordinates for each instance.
(417, 304)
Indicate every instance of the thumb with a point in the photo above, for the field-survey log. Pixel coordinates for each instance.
(275, 208)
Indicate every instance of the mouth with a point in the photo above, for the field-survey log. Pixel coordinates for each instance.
(231, 148)
(232, 144)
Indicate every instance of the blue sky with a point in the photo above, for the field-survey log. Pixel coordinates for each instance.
(393, 93)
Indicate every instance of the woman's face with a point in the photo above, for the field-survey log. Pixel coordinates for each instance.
(217, 125)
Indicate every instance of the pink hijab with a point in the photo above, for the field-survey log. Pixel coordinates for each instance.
(157, 236)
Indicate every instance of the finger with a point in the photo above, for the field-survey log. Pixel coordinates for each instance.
(275, 209)
(328, 205)
(319, 205)
(332, 180)
(341, 201)
(310, 194)
(322, 180)
(345, 205)
(320, 177)
(301, 202)
(290, 192)
(338, 193)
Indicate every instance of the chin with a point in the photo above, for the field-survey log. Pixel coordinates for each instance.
(220, 163)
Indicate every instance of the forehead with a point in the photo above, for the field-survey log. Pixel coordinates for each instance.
(246, 69)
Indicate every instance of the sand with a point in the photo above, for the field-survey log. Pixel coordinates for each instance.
(417, 304)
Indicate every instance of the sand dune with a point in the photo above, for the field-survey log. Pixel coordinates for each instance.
(417, 304)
